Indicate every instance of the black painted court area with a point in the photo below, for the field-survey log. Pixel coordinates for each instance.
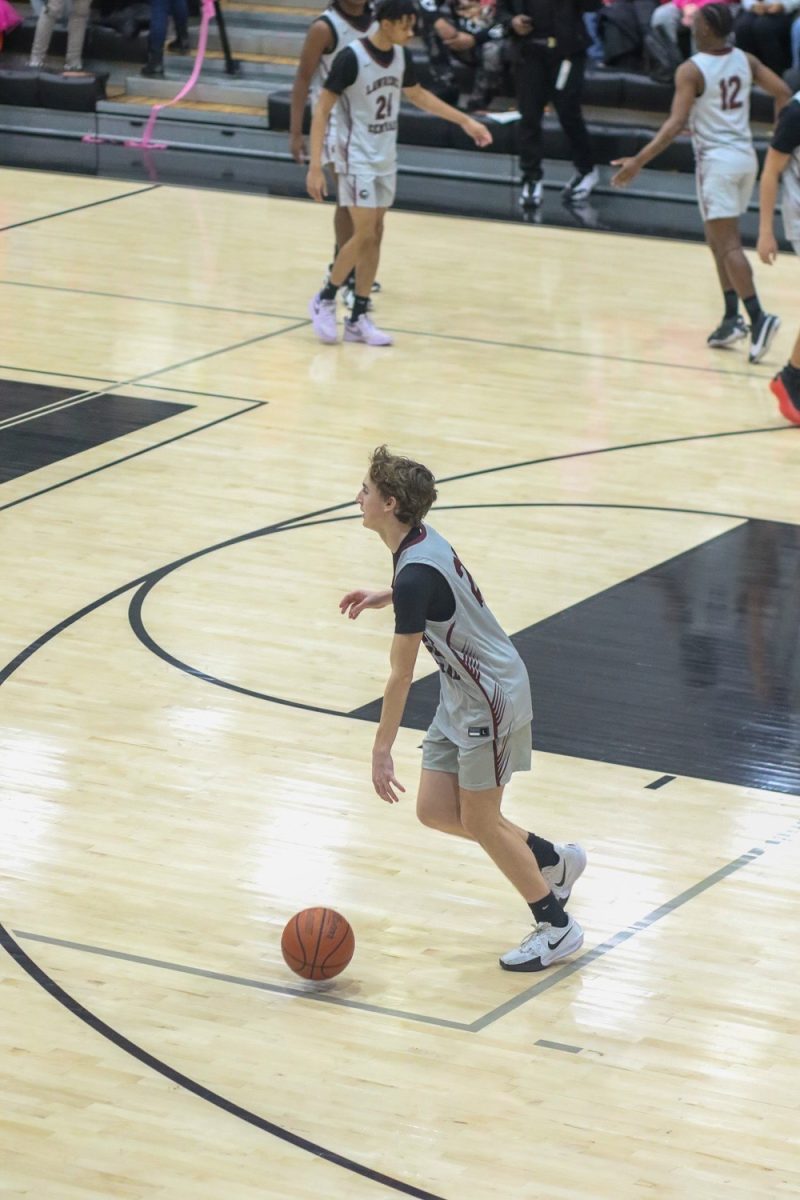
(690, 668)
(45, 437)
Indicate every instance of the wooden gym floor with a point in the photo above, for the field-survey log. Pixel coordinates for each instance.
(187, 721)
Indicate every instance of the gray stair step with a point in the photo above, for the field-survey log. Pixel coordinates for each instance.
(250, 93)
(271, 74)
(244, 40)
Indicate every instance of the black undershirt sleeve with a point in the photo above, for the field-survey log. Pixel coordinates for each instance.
(420, 594)
(410, 78)
(787, 132)
(343, 72)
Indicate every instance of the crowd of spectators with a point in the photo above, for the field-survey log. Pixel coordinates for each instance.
(470, 42)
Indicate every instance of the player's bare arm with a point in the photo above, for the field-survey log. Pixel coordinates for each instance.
(772, 84)
(774, 166)
(688, 86)
(316, 185)
(356, 601)
(426, 100)
(319, 41)
(402, 659)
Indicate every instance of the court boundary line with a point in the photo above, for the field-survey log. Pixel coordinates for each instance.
(753, 373)
(80, 397)
(478, 1024)
(81, 207)
(26, 963)
(98, 1025)
(103, 379)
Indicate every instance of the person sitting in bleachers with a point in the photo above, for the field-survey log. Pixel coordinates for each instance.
(764, 29)
(671, 18)
(466, 33)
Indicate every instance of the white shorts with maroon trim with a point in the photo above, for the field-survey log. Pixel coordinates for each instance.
(367, 191)
(725, 184)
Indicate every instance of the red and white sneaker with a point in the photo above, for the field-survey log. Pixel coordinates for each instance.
(364, 331)
(323, 319)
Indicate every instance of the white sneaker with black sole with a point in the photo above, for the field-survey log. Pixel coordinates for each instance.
(761, 336)
(570, 866)
(580, 187)
(546, 945)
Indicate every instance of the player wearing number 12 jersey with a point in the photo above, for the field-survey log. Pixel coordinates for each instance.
(366, 83)
(712, 95)
(481, 732)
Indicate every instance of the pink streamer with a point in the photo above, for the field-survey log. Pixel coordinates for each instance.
(145, 142)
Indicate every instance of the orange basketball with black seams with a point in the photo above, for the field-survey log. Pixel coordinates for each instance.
(317, 943)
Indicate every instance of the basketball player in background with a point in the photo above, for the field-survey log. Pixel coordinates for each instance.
(365, 83)
(481, 732)
(712, 94)
(340, 24)
(783, 160)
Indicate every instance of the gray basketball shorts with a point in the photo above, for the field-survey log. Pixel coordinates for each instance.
(367, 191)
(487, 764)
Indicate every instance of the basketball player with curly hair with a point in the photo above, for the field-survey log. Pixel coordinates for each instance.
(481, 732)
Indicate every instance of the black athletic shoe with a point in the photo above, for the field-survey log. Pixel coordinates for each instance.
(730, 330)
(761, 336)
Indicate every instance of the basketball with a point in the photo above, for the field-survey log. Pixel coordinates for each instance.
(317, 943)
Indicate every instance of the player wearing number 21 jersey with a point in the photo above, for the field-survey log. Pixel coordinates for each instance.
(712, 95)
(366, 83)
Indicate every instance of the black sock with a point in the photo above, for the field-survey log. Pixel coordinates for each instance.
(731, 304)
(360, 306)
(550, 910)
(754, 309)
(543, 851)
(792, 371)
(328, 291)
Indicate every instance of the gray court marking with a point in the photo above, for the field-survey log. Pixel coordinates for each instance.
(558, 1046)
(242, 981)
(552, 979)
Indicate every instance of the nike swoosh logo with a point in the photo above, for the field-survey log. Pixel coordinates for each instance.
(560, 882)
(555, 945)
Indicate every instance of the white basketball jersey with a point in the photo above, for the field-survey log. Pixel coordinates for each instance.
(720, 118)
(790, 198)
(345, 33)
(366, 115)
(485, 690)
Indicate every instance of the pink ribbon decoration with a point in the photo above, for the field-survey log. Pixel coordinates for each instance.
(145, 142)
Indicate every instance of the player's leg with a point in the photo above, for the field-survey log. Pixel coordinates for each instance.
(368, 229)
(732, 327)
(556, 934)
(439, 807)
(724, 187)
(342, 227)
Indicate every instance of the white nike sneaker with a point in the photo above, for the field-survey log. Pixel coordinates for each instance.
(570, 866)
(545, 946)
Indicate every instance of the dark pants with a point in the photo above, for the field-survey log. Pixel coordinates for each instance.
(536, 72)
(160, 11)
(767, 35)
